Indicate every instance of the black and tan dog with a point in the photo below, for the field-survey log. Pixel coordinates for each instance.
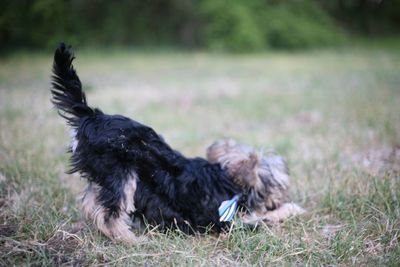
(135, 176)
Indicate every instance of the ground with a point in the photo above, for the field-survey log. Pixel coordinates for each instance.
(333, 114)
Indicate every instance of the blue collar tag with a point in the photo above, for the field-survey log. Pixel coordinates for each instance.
(228, 208)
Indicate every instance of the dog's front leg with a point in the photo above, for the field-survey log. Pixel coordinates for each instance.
(282, 213)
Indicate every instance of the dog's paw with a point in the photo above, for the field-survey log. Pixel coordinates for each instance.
(280, 214)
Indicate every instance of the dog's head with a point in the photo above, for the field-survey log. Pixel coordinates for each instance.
(264, 179)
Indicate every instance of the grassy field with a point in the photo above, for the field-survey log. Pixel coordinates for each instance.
(333, 114)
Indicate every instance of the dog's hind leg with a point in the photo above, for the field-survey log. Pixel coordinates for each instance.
(115, 223)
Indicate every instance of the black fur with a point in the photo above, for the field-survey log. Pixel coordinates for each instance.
(173, 191)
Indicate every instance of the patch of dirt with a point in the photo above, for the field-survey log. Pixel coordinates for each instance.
(65, 244)
(301, 120)
(380, 161)
(373, 248)
(64, 247)
(7, 230)
(308, 118)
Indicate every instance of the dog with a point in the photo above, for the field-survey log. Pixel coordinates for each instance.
(135, 178)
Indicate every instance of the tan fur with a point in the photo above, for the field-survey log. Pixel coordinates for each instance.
(114, 227)
(130, 188)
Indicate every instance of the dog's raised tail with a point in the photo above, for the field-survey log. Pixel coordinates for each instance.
(67, 94)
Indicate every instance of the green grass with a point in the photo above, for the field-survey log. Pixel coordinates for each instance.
(334, 114)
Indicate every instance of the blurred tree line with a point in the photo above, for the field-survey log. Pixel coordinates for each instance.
(234, 25)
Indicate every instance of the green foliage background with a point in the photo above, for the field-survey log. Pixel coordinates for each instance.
(232, 25)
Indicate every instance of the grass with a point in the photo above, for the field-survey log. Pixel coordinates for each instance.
(334, 114)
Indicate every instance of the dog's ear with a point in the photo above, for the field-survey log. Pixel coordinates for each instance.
(215, 151)
(244, 171)
(254, 158)
(220, 150)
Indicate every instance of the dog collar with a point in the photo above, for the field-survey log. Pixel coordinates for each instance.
(228, 208)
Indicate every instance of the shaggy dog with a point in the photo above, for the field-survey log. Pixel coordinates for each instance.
(134, 176)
